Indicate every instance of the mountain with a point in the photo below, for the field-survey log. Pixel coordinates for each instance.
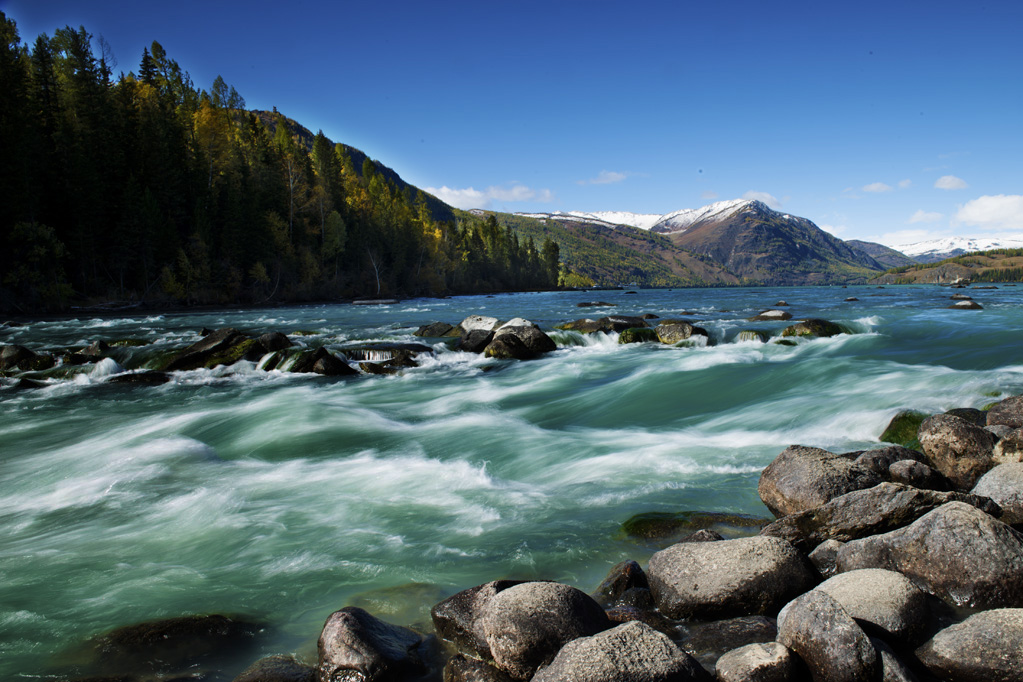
(884, 255)
(936, 250)
(998, 265)
(611, 219)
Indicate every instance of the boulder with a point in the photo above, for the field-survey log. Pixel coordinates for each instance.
(781, 304)
(763, 662)
(585, 326)
(1000, 430)
(885, 603)
(986, 647)
(322, 361)
(956, 552)
(96, 349)
(771, 316)
(526, 625)
(433, 330)
(661, 529)
(824, 556)
(457, 618)
(277, 668)
(831, 643)
(676, 331)
(812, 327)
(521, 342)
(902, 429)
(960, 297)
(619, 323)
(959, 450)
(355, 645)
(19, 357)
(621, 579)
(703, 535)
(803, 478)
(650, 316)
(463, 669)
(221, 347)
(1004, 485)
(1008, 412)
(141, 378)
(1009, 447)
(630, 652)
(638, 335)
(970, 414)
(711, 580)
(917, 474)
(862, 513)
(481, 322)
(851, 299)
(881, 459)
(475, 340)
(966, 305)
(893, 669)
(274, 341)
(707, 642)
(751, 335)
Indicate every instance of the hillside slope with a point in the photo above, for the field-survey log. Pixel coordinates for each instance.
(884, 255)
(1000, 265)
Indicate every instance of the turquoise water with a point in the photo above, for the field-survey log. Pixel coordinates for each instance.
(286, 497)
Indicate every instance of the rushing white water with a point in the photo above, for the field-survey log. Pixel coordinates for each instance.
(288, 496)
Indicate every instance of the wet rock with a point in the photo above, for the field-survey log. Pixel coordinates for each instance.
(665, 528)
(396, 354)
(1009, 447)
(823, 634)
(703, 535)
(650, 316)
(1000, 430)
(762, 662)
(475, 340)
(174, 644)
(803, 478)
(966, 305)
(526, 625)
(1008, 412)
(812, 327)
(223, 346)
(623, 577)
(676, 331)
(955, 552)
(970, 414)
(19, 357)
(356, 646)
(463, 669)
(481, 322)
(585, 326)
(619, 323)
(520, 342)
(595, 304)
(824, 556)
(752, 335)
(708, 641)
(630, 652)
(433, 330)
(960, 297)
(457, 618)
(142, 378)
(1004, 485)
(986, 647)
(746, 576)
(917, 474)
(886, 603)
(25, 384)
(638, 335)
(771, 316)
(851, 299)
(880, 460)
(274, 341)
(902, 429)
(96, 349)
(959, 450)
(862, 513)
(321, 361)
(277, 668)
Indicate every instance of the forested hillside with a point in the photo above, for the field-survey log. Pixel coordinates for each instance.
(146, 188)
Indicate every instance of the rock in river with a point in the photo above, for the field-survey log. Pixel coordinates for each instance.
(803, 477)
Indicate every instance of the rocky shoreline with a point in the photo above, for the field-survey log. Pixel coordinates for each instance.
(903, 562)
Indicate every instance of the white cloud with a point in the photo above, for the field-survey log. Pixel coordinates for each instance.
(833, 229)
(605, 177)
(708, 194)
(998, 212)
(877, 187)
(766, 198)
(473, 198)
(903, 184)
(950, 182)
(922, 216)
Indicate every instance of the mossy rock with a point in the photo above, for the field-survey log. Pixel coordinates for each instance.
(785, 342)
(813, 327)
(902, 429)
(987, 408)
(752, 335)
(304, 332)
(231, 355)
(638, 335)
(664, 528)
(129, 343)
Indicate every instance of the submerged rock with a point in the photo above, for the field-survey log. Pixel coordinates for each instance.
(747, 335)
(803, 478)
(746, 576)
(902, 429)
(665, 528)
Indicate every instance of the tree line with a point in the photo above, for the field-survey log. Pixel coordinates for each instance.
(145, 188)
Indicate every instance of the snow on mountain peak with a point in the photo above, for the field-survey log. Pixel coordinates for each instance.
(676, 221)
(956, 245)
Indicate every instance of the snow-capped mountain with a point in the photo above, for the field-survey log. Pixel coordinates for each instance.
(934, 250)
(607, 218)
(668, 223)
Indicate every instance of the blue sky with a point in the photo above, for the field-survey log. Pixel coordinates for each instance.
(889, 121)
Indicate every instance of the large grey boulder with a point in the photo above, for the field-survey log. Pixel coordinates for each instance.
(887, 604)
(986, 647)
(917, 474)
(676, 331)
(630, 652)
(482, 322)
(1004, 485)
(762, 662)
(1008, 412)
(959, 450)
(956, 552)
(457, 618)
(831, 643)
(771, 316)
(526, 625)
(862, 513)
(746, 576)
(475, 340)
(803, 478)
(520, 342)
(355, 645)
(880, 460)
